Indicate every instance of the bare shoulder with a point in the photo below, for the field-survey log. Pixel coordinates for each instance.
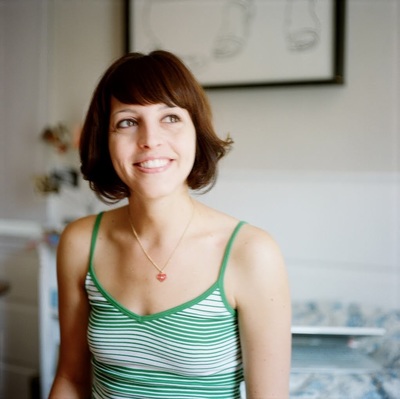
(77, 233)
(257, 267)
(74, 246)
(75, 240)
(255, 246)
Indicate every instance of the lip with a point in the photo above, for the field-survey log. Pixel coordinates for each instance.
(153, 165)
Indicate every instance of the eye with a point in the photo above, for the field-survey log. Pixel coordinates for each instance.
(125, 124)
(172, 118)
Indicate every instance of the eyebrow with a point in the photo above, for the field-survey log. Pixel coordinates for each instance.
(124, 110)
(133, 111)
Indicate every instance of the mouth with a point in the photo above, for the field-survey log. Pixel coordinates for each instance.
(153, 163)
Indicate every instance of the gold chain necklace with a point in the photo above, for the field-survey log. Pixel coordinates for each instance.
(161, 276)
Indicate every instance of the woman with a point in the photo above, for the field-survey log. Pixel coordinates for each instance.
(165, 297)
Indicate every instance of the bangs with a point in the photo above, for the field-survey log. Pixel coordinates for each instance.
(147, 80)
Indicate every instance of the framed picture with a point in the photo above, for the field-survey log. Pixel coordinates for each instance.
(233, 43)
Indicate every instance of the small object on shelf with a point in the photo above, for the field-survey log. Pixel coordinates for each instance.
(4, 287)
(51, 183)
(57, 136)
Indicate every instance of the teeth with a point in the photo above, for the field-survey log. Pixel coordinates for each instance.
(154, 163)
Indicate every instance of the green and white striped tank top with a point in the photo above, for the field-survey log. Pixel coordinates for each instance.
(189, 351)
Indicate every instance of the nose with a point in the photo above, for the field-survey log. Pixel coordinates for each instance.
(150, 135)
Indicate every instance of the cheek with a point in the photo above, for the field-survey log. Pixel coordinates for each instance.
(191, 151)
(194, 152)
(118, 148)
(119, 153)
(193, 144)
(113, 154)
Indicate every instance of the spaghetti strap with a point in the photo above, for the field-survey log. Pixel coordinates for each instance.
(228, 252)
(94, 238)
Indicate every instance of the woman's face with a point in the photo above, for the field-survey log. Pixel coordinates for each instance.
(152, 147)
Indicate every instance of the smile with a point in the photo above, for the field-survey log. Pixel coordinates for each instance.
(153, 163)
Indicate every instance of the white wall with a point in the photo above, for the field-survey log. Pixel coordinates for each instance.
(34, 86)
(350, 128)
(23, 110)
(316, 166)
(86, 36)
(337, 231)
(319, 166)
(23, 100)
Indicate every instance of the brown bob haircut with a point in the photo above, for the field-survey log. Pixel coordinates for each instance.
(135, 78)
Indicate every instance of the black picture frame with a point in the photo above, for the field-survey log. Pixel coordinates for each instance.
(260, 52)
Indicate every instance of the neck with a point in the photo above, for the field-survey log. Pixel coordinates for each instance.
(159, 234)
(160, 216)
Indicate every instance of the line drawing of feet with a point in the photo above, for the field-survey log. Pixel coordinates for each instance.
(235, 28)
(151, 36)
(195, 61)
(232, 25)
(302, 26)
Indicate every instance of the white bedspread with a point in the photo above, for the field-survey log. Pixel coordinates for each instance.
(384, 384)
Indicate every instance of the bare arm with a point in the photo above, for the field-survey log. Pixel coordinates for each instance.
(73, 377)
(264, 308)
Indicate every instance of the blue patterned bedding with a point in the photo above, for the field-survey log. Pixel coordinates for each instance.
(384, 384)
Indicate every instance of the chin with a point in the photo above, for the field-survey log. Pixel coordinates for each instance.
(161, 191)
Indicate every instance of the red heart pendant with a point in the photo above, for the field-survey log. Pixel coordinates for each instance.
(161, 277)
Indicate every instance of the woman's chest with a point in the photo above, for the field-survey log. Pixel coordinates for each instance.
(133, 280)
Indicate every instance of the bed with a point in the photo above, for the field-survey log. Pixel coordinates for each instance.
(383, 384)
